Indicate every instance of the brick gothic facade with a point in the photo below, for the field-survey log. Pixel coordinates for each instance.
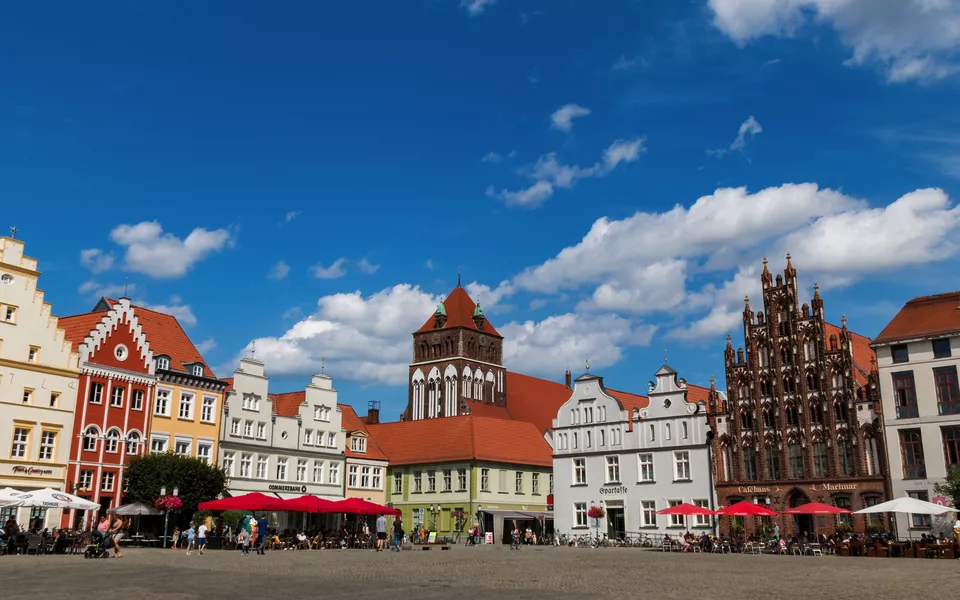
(457, 360)
(801, 420)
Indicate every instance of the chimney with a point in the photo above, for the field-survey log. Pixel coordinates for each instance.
(373, 412)
(567, 378)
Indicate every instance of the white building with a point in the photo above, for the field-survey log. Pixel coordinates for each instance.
(632, 456)
(38, 387)
(287, 445)
(918, 354)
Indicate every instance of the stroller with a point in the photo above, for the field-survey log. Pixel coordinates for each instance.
(100, 546)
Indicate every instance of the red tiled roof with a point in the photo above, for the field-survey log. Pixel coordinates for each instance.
(462, 438)
(483, 409)
(163, 333)
(924, 316)
(535, 400)
(78, 327)
(351, 422)
(229, 382)
(288, 403)
(862, 352)
(459, 309)
(629, 401)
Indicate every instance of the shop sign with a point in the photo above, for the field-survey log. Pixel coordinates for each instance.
(835, 487)
(614, 490)
(287, 488)
(24, 470)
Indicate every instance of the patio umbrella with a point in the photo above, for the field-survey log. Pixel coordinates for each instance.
(359, 506)
(816, 508)
(251, 501)
(310, 504)
(51, 498)
(908, 505)
(686, 510)
(11, 497)
(134, 510)
(746, 509)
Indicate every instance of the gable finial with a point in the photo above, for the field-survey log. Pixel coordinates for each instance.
(458, 277)
(322, 365)
(13, 232)
(253, 349)
(664, 356)
(125, 281)
(588, 365)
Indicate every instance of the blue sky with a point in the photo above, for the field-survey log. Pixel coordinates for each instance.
(607, 176)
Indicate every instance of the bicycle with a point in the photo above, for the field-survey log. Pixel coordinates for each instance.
(600, 541)
(515, 542)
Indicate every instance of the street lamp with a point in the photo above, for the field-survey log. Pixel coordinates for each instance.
(479, 523)
(166, 513)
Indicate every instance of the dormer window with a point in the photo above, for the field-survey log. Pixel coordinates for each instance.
(163, 363)
(358, 444)
(197, 370)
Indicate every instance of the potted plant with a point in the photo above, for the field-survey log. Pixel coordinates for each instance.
(596, 513)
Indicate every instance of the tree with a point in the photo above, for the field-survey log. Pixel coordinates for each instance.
(950, 487)
(197, 481)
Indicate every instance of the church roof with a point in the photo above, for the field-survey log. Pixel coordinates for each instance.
(535, 400)
(460, 309)
(462, 438)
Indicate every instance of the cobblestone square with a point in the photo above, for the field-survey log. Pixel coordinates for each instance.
(488, 572)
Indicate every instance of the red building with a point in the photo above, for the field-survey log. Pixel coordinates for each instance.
(113, 403)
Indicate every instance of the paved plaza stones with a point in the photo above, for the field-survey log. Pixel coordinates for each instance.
(488, 572)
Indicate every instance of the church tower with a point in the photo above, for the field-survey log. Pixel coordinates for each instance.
(457, 359)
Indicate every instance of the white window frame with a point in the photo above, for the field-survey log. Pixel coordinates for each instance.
(261, 430)
(579, 471)
(208, 409)
(398, 483)
(307, 437)
(235, 426)
(353, 476)
(186, 401)
(263, 467)
(197, 370)
(461, 480)
(86, 479)
(518, 482)
(181, 441)
(431, 482)
(229, 460)
(206, 457)
(302, 470)
(485, 480)
(133, 442)
(648, 513)
(332, 439)
(246, 465)
(161, 405)
(161, 440)
(580, 515)
(612, 471)
(447, 480)
(137, 403)
(107, 481)
(116, 396)
(681, 465)
(162, 363)
(283, 465)
(334, 474)
(21, 442)
(676, 520)
(248, 429)
(91, 436)
(365, 477)
(376, 480)
(647, 473)
(535, 483)
(702, 520)
(96, 393)
(111, 441)
(318, 466)
(358, 444)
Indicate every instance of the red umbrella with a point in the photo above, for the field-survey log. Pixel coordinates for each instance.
(310, 504)
(746, 509)
(686, 510)
(359, 506)
(251, 501)
(816, 508)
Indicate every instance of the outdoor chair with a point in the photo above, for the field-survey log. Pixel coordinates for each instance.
(667, 546)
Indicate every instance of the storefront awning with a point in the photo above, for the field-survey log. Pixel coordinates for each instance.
(519, 515)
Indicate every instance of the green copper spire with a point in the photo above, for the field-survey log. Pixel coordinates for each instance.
(478, 312)
(441, 309)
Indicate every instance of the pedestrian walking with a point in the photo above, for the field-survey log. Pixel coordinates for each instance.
(264, 536)
(202, 537)
(116, 533)
(381, 532)
(191, 534)
(397, 533)
(176, 538)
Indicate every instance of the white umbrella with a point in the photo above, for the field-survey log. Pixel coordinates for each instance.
(11, 497)
(134, 510)
(907, 505)
(51, 498)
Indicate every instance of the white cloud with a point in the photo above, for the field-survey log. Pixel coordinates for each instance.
(428, 264)
(175, 308)
(293, 214)
(279, 271)
(624, 63)
(659, 261)
(334, 271)
(772, 62)
(96, 260)
(568, 341)
(476, 7)
(291, 313)
(367, 338)
(489, 297)
(162, 255)
(563, 117)
(94, 288)
(749, 128)
(913, 40)
(492, 157)
(367, 267)
(206, 345)
(550, 174)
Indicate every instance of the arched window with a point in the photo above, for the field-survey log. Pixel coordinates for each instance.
(727, 474)
(764, 388)
(762, 356)
(603, 438)
(653, 433)
(784, 356)
(112, 440)
(744, 391)
(840, 409)
(574, 440)
(90, 436)
(768, 418)
(795, 455)
(816, 412)
(684, 430)
(746, 419)
(133, 443)
(813, 382)
(666, 432)
(788, 386)
(749, 463)
(793, 418)
(588, 439)
(845, 458)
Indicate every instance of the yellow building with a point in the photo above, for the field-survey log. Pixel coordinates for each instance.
(188, 399)
(38, 387)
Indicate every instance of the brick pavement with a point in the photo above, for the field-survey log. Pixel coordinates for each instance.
(488, 572)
